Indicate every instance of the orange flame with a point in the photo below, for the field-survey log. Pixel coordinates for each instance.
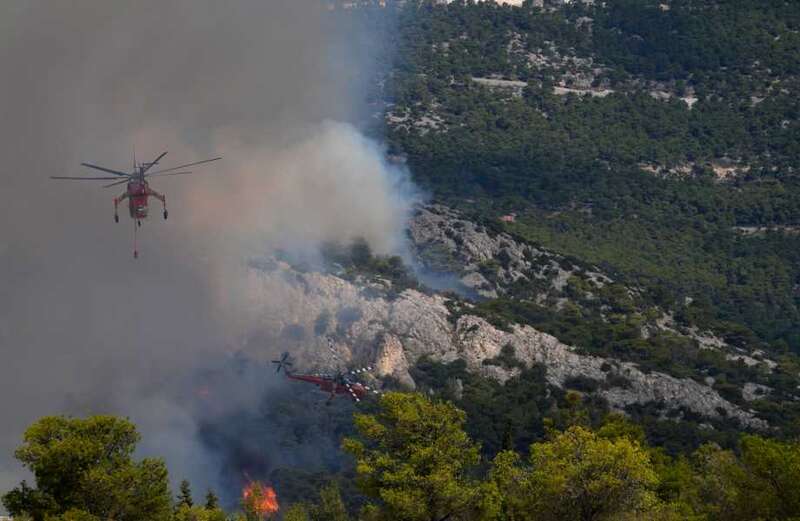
(260, 499)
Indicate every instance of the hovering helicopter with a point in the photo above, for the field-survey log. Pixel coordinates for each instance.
(138, 190)
(341, 382)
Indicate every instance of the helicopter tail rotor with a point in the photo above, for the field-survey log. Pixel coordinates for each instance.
(283, 363)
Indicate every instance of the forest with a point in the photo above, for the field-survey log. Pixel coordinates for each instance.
(674, 130)
(642, 137)
(414, 461)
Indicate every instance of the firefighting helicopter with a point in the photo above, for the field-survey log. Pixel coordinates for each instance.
(138, 189)
(339, 382)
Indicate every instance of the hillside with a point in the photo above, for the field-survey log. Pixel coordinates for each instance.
(647, 138)
(619, 175)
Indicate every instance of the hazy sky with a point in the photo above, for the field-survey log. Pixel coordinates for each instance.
(266, 84)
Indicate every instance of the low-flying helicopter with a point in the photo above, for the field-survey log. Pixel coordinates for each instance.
(138, 190)
(339, 382)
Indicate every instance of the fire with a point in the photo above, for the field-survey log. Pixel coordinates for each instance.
(260, 499)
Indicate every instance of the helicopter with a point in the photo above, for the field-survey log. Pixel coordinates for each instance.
(341, 382)
(138, 189)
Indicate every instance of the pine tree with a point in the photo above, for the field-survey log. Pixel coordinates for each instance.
(424, 443)
(185, 496)
(84, 469)
(212, 501)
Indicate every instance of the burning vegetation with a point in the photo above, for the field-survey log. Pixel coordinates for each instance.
(260, 501)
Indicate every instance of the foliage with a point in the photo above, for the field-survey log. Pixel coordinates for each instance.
(624, 181)
(296, 512)
(356, 261)
(330, 506)
(415, 461)
(718, 484)
(508, 416)
(185, 495)
(571, 166)
(212, 501)
(83, 468)
(414, 457)
(198, 513)
(577, 475)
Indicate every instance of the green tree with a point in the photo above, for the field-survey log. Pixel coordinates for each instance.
(185, 495)
(75, 515)
(83, 467)
(297, 512)
(360, 252)
(330, 506)
(577, 475)
(198, 513)
(774, 470)
(616, 425)
(719, 485)
(759, 485)
(212, 501)
(415, 458)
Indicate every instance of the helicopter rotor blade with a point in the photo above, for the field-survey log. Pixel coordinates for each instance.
(155, 161)
(104, 169)
(170, 173)
(117, 183)
(371, 389)
(85, 178)
(352, 392)
(186, 165)
(283, 363)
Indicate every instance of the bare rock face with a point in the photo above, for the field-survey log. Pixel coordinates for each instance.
(753, 391)
(421, 322)
(299, 310)
(392, 335)
(673, 393)
(485, 263)
(391, 361)
(479, 341)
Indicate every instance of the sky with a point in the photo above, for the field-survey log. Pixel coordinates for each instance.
(273, 87)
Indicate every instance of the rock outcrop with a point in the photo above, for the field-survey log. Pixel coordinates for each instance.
(393, 334)
(485, 263)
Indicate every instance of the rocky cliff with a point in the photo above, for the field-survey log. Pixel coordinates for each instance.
(299, 309)
(486, 263)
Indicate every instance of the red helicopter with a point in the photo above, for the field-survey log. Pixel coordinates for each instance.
(342, 382)
(138, 190)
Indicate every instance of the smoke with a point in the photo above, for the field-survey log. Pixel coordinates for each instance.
(272, 86)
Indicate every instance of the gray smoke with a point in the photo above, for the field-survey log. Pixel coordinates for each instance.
(269, 85)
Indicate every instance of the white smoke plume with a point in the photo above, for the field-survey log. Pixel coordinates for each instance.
(268, 85)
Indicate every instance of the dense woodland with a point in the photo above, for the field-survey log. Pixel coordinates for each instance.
(571, 165)
(643, 137)
(415, 461)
